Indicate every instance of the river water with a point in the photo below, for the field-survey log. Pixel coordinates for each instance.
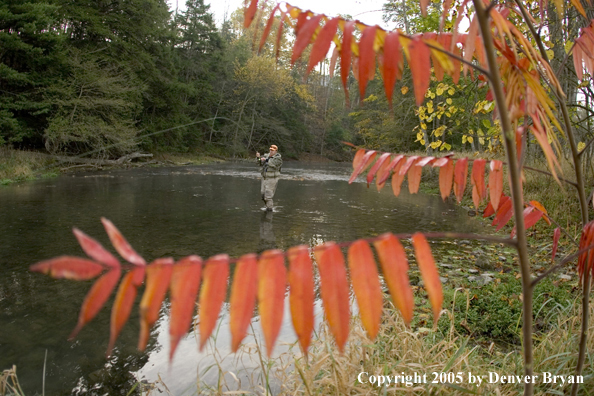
(172, 212)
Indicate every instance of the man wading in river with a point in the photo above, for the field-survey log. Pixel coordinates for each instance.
(271, 165)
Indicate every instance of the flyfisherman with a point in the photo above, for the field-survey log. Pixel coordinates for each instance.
(271, 166)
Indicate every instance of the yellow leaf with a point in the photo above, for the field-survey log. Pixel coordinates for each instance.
(436, 144)
(568, 45)
(581, 146)
(422, 142)
(439, 91)
(470, 139)
(550, 54)
(482, 140)
(464, 139)
(449, 101)
(480, 132)
(445, 146)
(424, 126)
(451, 91)
(404, 90)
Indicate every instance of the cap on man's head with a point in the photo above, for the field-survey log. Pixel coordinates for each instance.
(273, 147)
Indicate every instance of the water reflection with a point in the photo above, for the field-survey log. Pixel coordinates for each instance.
(267, 238)
(163, 212)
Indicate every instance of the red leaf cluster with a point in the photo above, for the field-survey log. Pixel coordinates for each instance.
(260, 279)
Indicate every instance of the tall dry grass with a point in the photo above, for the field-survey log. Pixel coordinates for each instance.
(18, 165)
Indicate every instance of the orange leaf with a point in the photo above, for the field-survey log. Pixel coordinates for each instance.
(68, 267)
(158, 274)
(392, 63)
(446, 176)
(366, 285)
(585, 259)
(249, 13)
(410, 161)
(120, 244)
(358, 159)
(556, 236)
(94, 249)
(334, 290)
(381, 160)
(414, 178)
(397, 178)
(383, 177)
(383, 173)
(95, 298)
(365, 162)
(429, 273)
(395, 269)
(366, 58)
(322, 44)
(495, 183)
(470, 42)
(478, 180)
(301, 297)
(420, 66)
(460, 174)
(122, 306)
(183, 289)
(267, 28)
(539, 206)
(212, 294)
(543, 141)
(272, 283)
(304, 35)
(345, 56)
(243, 298)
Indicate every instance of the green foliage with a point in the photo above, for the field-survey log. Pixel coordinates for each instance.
(30, 58)
(494, 311)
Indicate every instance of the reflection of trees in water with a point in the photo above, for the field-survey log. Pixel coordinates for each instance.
(267, 238)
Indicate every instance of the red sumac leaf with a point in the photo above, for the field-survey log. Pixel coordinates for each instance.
(301, 297)
(489, 211)
(446, 176)
(322, 44)
(394, 265)
(460, 175)
(383, 173)
(268, 27)
(504, 213)
(249, 13)
(68, 267)
(366, 285)
(531, 216)
(397, 178)
(94, 249)
(243, 298)
(122, 306)
(334, 290)
(410, 161)
(382, 178)
(120, 244)
(478, 180)
(366, 58)
(95, 298)
(420, 66)
(381, 160)
(183, 289)
(345, 56)
(212, 294)
(392, 63)
(414, 178)
(272, 283)
(495, 183)
(540, 207)
(556, 235)
(429, 273)
(304, 35)
(363, 164)
(158, 274)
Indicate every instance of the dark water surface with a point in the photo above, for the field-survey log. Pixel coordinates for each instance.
(174, 212)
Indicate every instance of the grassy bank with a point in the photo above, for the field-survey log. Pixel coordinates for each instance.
(17, 165)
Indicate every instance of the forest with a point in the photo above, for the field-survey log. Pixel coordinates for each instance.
(105, 78)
